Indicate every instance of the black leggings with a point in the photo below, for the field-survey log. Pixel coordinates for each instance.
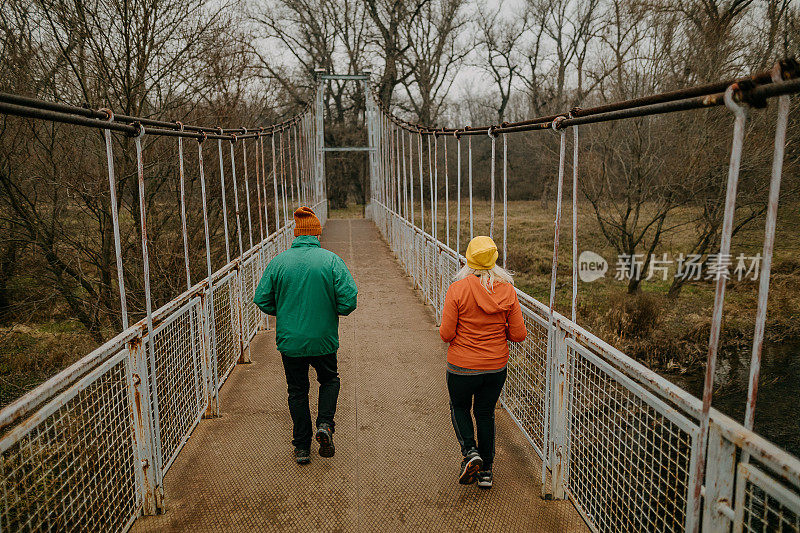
(486, 389)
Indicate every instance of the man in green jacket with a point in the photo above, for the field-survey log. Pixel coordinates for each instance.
(306, 288)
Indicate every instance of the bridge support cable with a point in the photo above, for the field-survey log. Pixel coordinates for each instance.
(766, 261)
(247, 193)
(412, 218)
(236, 198)
(275, 183)
(401, 203)
(296, 158)
(421, 178)
(446, 193)
(283, 175)
(183, 212)
(259, 191)
(493, 138)
(458, 194)
(210, 374)
(435, 187)
(740, 114)
(148, 306)
(405, 172)
(574, 223)
(112, 188)
(549, 370)
(505, 200)
(224, 203)
(469, 171)
(290, 169)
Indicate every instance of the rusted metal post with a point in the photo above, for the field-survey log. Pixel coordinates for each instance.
(209, 362)
(138, 378)
(719, 482)
(149, 309)
(262, 191)
(547, 440)
(244, 354)
(740, 113)
(558, 457)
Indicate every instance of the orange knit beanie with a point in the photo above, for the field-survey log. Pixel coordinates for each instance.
(306, 222)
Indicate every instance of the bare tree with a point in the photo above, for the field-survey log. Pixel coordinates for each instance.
(390, 17)
(434, 54)
(499, 40)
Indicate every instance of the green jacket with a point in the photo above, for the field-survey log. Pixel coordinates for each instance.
(306, 288)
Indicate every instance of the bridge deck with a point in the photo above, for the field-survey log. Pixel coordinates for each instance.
(396, 456)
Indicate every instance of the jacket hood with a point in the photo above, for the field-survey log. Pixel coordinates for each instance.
(501, 300)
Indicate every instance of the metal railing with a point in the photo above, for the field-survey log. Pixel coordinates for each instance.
(631, 450)
(73, 464)
(88, 449)
(623, 436)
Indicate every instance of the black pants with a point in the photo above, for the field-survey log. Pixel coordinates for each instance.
(485, 388)
(296, 369)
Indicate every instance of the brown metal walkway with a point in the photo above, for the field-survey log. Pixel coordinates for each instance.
(396, 457)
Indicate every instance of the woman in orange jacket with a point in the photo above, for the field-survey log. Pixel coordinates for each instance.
(481, 314)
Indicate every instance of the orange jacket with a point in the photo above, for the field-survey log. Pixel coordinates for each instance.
(478, 323)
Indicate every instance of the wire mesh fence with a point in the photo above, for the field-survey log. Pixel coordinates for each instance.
(72, 465)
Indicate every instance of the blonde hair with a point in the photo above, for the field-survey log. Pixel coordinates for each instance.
(487, 277)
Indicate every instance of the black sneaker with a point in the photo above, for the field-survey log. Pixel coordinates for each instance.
(470, 466)
(485, 479)
(325, 438)
(302, 456)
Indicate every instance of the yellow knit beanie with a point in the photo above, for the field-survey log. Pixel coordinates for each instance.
(481, 253)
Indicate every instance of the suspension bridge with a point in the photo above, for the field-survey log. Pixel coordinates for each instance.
(179, 423)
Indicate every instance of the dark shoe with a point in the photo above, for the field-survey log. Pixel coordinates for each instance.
(470, 466)
(302, 456)
(325, 438)
(485, 479)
